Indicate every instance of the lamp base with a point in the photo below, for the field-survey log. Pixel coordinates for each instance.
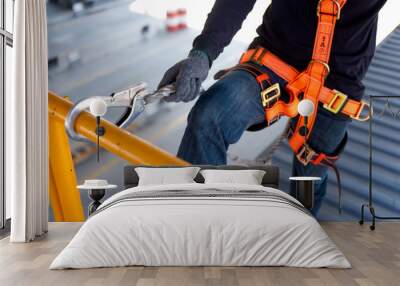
(96, 195)
(305, 193)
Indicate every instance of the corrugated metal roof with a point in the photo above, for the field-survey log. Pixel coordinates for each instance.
(383, 78)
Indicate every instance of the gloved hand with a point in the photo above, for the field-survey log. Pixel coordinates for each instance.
(188, 76)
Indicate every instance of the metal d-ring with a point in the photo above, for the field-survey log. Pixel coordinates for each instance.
(367, 116)
(326, 66)
(339, 8)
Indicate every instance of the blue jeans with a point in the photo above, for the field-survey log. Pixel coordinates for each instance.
(229, 107)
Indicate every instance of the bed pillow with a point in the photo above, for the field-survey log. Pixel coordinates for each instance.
(248, 177)
(166, 176)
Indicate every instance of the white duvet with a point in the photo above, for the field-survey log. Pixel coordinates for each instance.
(200, 231)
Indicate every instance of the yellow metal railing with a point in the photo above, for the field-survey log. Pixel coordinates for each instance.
(64, 196)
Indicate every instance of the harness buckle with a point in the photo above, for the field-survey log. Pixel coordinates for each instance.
(359, 116)
(337, 102)
(305, 155)
(258, 60)
(338, 14)
(272, 121)
(270, 94)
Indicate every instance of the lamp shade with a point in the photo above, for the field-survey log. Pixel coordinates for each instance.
(98, 107)
(305, 107)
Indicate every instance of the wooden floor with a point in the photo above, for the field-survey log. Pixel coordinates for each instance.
(375, 257)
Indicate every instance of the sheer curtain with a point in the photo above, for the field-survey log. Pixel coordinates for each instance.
(26, 124)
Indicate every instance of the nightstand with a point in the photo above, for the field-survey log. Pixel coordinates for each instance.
(96, 191)
(305, 190)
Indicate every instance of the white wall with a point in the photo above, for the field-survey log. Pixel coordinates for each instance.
(389, 19)
(198, 10)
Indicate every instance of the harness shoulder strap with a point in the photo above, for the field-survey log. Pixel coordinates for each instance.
(328, 12)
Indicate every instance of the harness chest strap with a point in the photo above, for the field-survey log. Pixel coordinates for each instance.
(333, 100)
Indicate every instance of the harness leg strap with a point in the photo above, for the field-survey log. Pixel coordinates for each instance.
(329, 161)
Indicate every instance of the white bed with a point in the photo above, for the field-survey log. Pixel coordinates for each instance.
(248, 226)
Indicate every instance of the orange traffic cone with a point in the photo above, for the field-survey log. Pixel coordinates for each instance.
(182, 18)
(176, 20)
(172, 23)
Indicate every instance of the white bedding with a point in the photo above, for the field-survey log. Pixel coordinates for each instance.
(183, 231)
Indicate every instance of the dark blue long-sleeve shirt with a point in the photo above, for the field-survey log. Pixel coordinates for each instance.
(288, 30)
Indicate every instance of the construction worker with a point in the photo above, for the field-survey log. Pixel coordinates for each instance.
(233, 104)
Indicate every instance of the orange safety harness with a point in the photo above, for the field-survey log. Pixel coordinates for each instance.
(308, 84)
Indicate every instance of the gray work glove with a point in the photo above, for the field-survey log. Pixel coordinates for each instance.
(188, 76)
